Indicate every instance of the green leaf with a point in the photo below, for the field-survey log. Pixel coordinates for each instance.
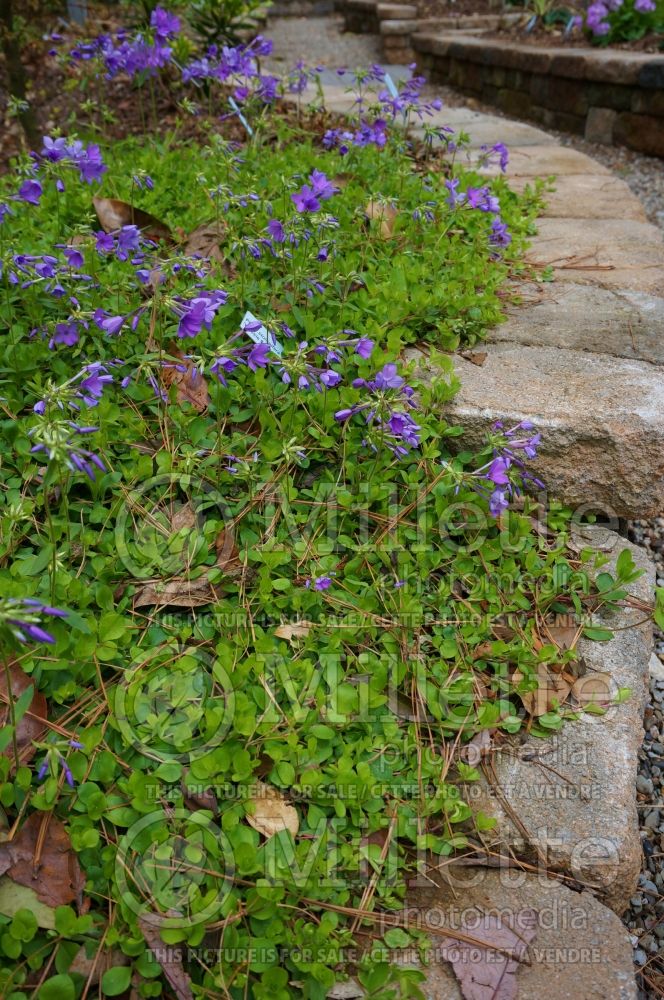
(116, 980)
(598, 634)
(58, 988)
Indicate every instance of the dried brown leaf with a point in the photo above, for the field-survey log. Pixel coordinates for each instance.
(199, 798)
(477, 748)
(190, 386)
(168, 959)
(297, 630)
(563, 632)
(271, 813)
(488, 973)
(183, 517)
(384, 214)
(228, 555)
(206, 241)
(594, 689)
(113, 214)
(180, 592)
(41, 858)
(551, 688)
(32, 726)
(475, 357)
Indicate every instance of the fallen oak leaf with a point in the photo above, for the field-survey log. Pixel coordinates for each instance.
(41, 858)
(180, 592)
(32, 724)
(113, 214)
(561, 633)
(167, 958)
(190, 386)
(271, 813)
(551, 689)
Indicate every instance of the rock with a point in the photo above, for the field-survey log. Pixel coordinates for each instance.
(601, 419)
(619, 322)
(613, 253)
(656, 667)
(587, 196)
(580, 950)
(644, 785)
(600, 123)
(580, 818)
(547, 161)
(652, 820)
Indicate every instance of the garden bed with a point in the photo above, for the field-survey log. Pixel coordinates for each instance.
(609, 96)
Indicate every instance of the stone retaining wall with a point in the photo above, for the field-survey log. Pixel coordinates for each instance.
(609, 96)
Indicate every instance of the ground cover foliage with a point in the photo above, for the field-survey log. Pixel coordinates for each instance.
(257, 595)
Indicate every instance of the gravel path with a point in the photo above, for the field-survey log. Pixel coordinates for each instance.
(320, 41)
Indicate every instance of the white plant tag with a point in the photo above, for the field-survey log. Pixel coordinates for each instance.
(261, 335)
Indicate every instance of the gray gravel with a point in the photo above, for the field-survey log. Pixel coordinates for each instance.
(320, 41)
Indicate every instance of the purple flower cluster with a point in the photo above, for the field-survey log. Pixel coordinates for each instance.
(134, 55)
(297, 369)
(54, 759)
(310, 196)
(366, 134)
(23, 616)
(483, 200)
(198, 313)
(597, 18)
(496, 479)
(73, 153)
(238, 66)
(387, 412)
(58, 440)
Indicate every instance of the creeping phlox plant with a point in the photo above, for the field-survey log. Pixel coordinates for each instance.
(257, 592)
(607, 21)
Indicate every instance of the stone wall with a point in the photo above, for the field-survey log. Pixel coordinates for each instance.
(609, 96)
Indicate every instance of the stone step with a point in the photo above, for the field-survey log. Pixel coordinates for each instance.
(613, 253)
(587, 196)
(618, 322)
(569, 804)
(580, 949)
(601, 419)
(547, 161)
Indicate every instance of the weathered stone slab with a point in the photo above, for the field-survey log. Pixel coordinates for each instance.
(575, 798)
(622, 323)
(581, 950)
(612, 253)
(588, 196)
(487, 129)
(601, 419)
(545, 161)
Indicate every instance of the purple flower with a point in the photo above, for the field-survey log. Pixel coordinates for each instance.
(22, 616)
(199, 313)
(105, 242)
(53, 149)
(276, 231)
(258, 357)
(498, 469)
(645, 6)
(305, 200)
(30, 191)
(500, 234)
(320, 583)
(164, 23)
(364, 347)
(65, 333)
